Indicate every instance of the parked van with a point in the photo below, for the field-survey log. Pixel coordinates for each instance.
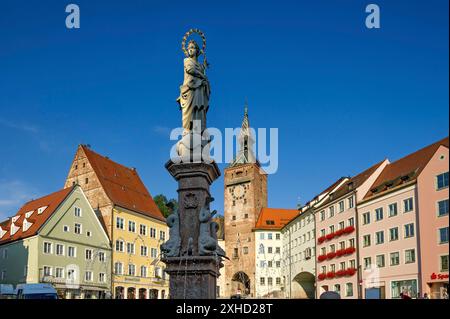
(7, 291)
(36, 291)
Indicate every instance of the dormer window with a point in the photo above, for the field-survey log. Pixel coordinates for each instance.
(26, 225)
(41, 209)
(13, 229)
(2, 232)
(28, 214)
(15, 218)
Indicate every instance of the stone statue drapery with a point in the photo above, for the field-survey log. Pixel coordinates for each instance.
(195, 91)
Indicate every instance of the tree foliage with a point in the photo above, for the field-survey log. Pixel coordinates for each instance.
(165, 206)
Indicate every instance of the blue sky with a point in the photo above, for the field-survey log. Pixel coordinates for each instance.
(342, 96)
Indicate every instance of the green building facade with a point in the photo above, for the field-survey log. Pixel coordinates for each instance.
(57, 239)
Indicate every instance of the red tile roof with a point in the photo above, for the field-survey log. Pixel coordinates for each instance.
(405, 169)
(355, 182)
(123, 185)
(52, 202)
(274, 218)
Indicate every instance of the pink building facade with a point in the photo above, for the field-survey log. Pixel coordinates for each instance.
(388, 244)
(433, 198)
(403, 227)
(336, 235)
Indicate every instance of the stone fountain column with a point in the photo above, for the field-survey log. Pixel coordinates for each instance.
(192, 276)
(192, 255)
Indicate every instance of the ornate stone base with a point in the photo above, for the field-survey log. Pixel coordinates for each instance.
(193, 277)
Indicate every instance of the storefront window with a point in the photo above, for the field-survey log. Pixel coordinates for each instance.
(408, 287)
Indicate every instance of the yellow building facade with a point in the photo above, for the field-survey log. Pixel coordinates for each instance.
(138, 272)
(132, 220)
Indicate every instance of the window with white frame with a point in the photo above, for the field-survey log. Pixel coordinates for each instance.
(59, 249)
(380, 261)
(444, 263)
(366, 218)
(120, 223)
(352, 263)
(131, 226)
(162, 235)
(393, 211)
(409, 230)
(48, 247)
(261, 236)
(142, 230)
(48, 271)
(154, 252)
(88, 254)
(351, 221)
(408, 205)
(77, 229)
(66, 228)
(442, 181)
(351, 242)
(349, 289)
(59, 272)
(130, 248)
(262, 281)
(143, 271)
(322, 215)
(341, 206)
(367, 262)
(443, 235)
(379, 214)
(351, 202)
(269, 236)
(71, 252)
(131, 270)
(395, 258)
(410, 256)
(443, 207)
(119, 245)
(118, 268)
(366, 240)
(88, 276)
(102, 277)
(144, 250)
(77, 211)
(331, 211)
(152, 232)
(379, 237)
(101, 256)
(393, 234)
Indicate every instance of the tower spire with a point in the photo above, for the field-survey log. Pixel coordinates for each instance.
(246, 141)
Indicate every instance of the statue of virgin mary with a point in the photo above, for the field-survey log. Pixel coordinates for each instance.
(195, 91)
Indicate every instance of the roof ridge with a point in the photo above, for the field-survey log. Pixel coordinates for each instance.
(85, 147)
(427, 147)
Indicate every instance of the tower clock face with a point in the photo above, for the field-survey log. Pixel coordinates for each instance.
(238, 192)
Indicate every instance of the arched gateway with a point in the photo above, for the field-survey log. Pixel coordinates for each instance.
(303, 286)
(240, 283)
